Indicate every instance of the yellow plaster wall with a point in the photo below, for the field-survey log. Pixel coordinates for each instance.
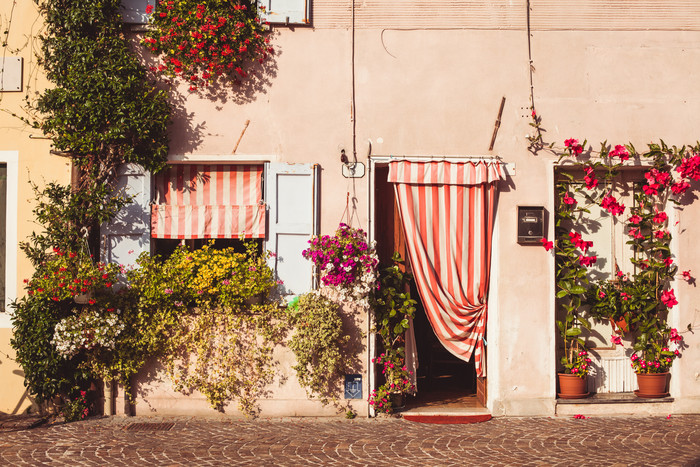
(35, 164)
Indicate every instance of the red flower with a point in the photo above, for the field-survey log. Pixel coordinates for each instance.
(610, 204)
(686, 275)
(574, 147)
(668, 298)
(690, 167)
(569, 200)
(547, 245)
(92, 301)
(660, 217)
(149, 9)
(680, 187)
(588, 260)
(621, 152)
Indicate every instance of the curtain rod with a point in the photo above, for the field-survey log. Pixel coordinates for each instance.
(429, 158)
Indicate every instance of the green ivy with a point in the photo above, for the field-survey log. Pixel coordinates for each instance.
(319, 343)
(102, 110)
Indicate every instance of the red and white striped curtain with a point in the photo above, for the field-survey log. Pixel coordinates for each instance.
(447, 210)
(208, 201)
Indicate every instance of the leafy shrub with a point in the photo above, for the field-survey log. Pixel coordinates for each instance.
(318, 343)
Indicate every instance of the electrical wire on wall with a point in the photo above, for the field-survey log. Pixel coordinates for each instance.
(351, 198)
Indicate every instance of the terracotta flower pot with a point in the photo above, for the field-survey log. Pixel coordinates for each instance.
(619, 325)
(652, 385)
(572, 386)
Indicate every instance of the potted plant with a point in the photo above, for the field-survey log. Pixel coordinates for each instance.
(653, 358)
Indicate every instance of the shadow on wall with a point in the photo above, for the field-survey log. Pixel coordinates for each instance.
(187, 135)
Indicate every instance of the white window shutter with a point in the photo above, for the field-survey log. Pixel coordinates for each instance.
(129, 233)
(286, 11)
(290, 191)
(134, 11)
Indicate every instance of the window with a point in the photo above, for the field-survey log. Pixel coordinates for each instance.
(134, 11)
(286, 11)
(193, 203)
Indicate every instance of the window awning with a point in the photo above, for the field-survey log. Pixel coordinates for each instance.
(208, 201)
(445, 173)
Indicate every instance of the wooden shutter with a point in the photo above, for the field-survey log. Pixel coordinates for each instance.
(129, 234)
(290, 192)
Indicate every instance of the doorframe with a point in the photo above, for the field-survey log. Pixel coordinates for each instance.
(492, 322)
(11, 159)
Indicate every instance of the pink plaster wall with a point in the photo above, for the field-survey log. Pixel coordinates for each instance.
(437, 92)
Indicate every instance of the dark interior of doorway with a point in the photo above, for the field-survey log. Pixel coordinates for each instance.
(443, 379)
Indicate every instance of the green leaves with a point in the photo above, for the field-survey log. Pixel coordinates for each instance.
(102, 109)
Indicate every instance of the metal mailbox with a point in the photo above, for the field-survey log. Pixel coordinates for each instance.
(530, 224)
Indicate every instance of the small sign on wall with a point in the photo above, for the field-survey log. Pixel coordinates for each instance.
(353, 386)
(11, 74)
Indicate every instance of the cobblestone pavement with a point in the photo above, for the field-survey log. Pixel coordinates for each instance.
(599, 441)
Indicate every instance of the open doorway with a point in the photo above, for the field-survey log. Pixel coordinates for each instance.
(443, 380)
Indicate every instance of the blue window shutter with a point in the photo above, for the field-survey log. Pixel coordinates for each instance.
(129, 233)
(134, 11)
(290, 191)
(286, 11)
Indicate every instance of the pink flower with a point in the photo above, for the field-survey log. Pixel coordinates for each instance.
(686, 275)
(680, 187)
(590, 178)
(674, 336)
(547, 245)
(668, 262)
(574, 147)
(660, 233)
(621, 152)
(610, 204)
(569, 200)
(635, 219)
(588, 260)
(615, 339)
(668, 298)
(660, 217)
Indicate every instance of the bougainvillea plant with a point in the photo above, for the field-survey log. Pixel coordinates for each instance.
(201, 42)
(347, 262)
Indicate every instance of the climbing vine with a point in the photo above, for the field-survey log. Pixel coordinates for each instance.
(636, 303)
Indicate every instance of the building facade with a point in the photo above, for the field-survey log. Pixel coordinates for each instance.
(382, 81)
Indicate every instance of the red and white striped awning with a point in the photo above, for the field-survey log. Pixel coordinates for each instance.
(208, 201)
(445, 172)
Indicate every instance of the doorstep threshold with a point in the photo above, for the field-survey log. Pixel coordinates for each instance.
(445, 411)
(615, 398)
